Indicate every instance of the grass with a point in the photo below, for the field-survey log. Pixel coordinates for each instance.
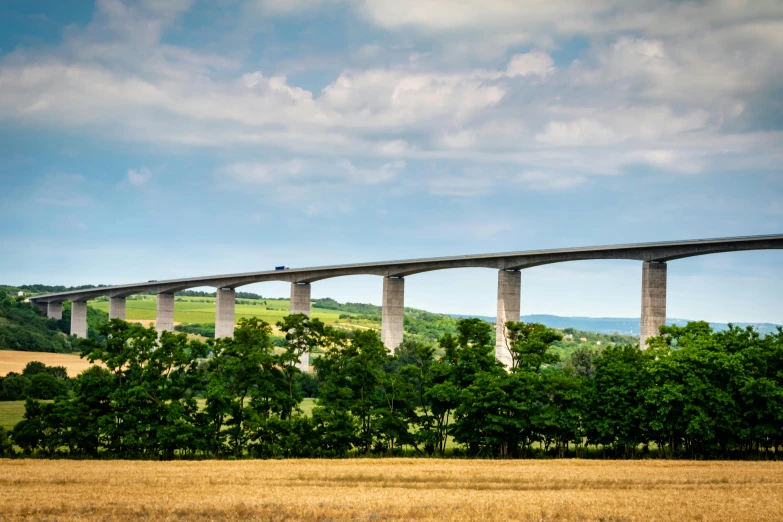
(202, 310)
(392, 490)
(11, 411)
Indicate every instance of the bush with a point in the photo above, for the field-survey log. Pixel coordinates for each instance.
(37, 381)
(12, 387)
(45, 386)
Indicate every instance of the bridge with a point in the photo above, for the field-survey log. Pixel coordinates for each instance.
(654, 258)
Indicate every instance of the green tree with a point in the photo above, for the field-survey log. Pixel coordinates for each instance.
(152, 406)
(13, 386)
(530, 345)
(29, 432)
(45, 386)
(616, 413)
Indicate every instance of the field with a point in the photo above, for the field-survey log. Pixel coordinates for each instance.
(202, 309)
(391, 489)
(12, 361)
(11, 411)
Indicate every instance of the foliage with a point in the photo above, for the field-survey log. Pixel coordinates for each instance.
(204, 330)
(37, 381)
(23, 328)
(694, 393)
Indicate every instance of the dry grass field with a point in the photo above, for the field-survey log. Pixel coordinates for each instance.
(12, 361)
(391, 490)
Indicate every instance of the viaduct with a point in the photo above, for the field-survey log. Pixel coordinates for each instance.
(654, 258)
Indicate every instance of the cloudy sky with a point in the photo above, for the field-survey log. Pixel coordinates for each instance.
(154, 139)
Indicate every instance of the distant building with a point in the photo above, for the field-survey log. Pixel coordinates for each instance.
(598, 343)
(20, 293)
(568, 337)
(583, 339)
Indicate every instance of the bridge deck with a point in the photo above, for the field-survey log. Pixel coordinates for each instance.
(661, 251)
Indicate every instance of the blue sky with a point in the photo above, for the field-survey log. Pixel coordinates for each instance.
(156, 139)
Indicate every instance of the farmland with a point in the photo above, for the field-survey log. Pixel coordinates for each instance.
(391, 489)
(202, 309)
(13, 361)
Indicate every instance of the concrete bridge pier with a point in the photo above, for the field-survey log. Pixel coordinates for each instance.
(300, 304)
(43, 308)
(653, 300)
(164, 317)
(392, 314)
(509, 298)
(224, 312)
(79, 318)
(117, 308)
(300, 299)
(54, 311)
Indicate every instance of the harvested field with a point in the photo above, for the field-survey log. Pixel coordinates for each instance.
(393, 489)
(12, 361)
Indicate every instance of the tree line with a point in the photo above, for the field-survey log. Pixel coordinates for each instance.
(37, 381)
(694, 393)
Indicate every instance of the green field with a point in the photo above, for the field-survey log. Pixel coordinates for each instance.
(11, 411)
(199, 310)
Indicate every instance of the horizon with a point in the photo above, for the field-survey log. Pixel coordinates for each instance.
(157, 140)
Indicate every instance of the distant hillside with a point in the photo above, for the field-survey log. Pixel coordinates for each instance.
(22, 328)
(419, 325)
(609, 325)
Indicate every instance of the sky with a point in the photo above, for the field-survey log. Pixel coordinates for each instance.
(157, 139)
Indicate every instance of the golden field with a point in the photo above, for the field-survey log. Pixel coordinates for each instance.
(391, 490)
(12, 361)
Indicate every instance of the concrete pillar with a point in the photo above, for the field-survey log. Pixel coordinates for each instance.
(509, 297)
(79, 318)
(392, 315)
(164, 318)
(54, 311)
(42, 307)
(117, 308)
(300, 299)
(300, 304)
(224, 313)
(653, 300)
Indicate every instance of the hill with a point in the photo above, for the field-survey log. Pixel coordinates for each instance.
(609, 325)
(23, 328)
(194, 313)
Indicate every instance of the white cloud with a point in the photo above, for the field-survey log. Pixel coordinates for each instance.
(307, 173)
(264, 173)
(644, 124)
(139, 177)
(534, 63)
(666, 97)
(537, 180)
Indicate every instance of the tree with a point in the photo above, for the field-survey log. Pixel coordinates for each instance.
(13, 387)
(6, 444)
(302, 336)
(45, 386)
(247, 392)
(616, 414)
(28, 433)
(152, 402)
(529, 345)
(559, 419)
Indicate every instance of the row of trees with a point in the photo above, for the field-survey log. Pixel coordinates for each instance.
(694, 393)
